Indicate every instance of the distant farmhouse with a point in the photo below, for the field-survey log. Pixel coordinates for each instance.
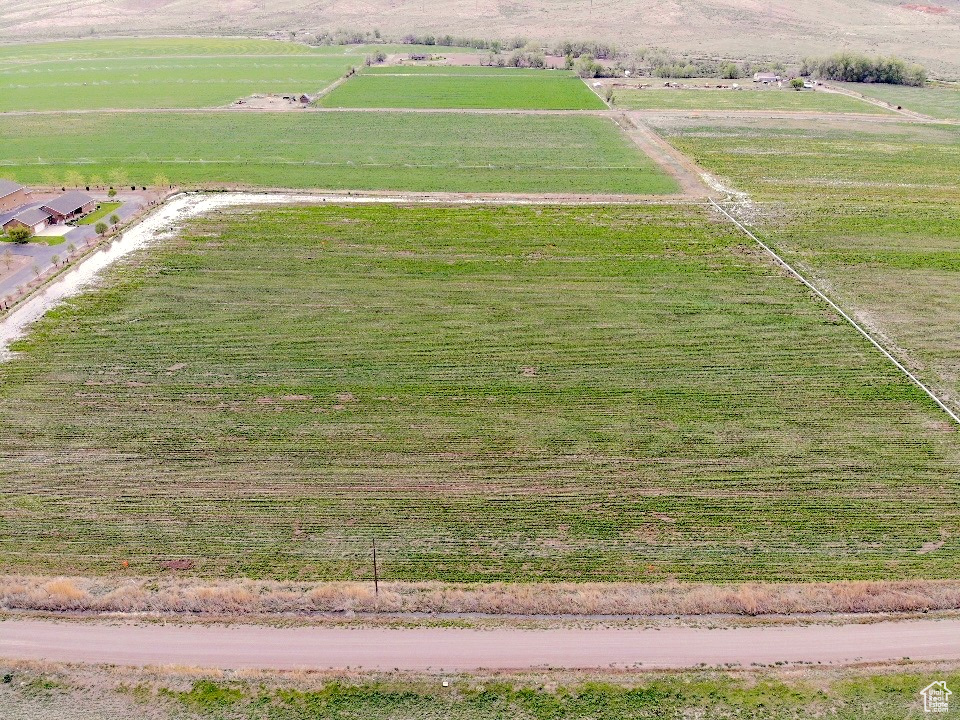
(12, 195)
(766, 77)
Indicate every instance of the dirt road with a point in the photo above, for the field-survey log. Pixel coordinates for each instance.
(456, 649)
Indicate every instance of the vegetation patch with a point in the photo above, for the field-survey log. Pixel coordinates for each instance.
(813, 101)
(522, 393)
(361, 150)
(938, 101)
(494, 89)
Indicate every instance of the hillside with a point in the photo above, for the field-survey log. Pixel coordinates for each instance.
(927, 33)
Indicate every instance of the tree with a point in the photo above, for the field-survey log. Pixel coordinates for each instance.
(112, 193)
(71, 249)
(114, 219)
(797, 83)
(101, 228)
(19, 235)
(8, 258)
(608, 95)
(730, 71)
(55, 260)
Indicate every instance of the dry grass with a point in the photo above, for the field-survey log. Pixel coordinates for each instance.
(249, 597)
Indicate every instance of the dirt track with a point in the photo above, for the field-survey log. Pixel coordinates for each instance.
(372, 648)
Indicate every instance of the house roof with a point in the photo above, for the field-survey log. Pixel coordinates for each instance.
(9, 187)
(67, 203)
(32, 217)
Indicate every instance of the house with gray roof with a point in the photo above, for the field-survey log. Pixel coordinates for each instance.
(35, 220)
(70, 206)
(12, 195)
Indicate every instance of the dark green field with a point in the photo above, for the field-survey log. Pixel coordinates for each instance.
(350, 150)
(493, 393)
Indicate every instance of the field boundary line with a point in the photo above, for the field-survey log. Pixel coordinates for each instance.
(859, 328)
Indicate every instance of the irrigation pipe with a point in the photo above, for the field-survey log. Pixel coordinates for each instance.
(859, 328)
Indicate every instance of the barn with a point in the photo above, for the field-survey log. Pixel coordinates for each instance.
(12, 195)
(70, 206)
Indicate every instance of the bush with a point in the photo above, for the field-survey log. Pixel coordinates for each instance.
(112, 193)
(19, 235)
(797, 83)
(846, 67)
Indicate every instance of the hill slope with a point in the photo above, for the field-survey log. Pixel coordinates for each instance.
(928, 33)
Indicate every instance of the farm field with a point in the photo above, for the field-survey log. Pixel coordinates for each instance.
(513, 393)
(145, 47)
(494, 88)
(362, 150)
(872, 212)
(163, 82)
(662, 99)
(940, 102)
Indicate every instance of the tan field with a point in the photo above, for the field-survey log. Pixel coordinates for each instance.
(928, 33)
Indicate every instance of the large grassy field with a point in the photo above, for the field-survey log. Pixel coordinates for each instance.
(493, 393)
(871, 211)
(160, 47)
(940, 102)
(362, 150)
(494, 88)
(662, 99)
(163, 82)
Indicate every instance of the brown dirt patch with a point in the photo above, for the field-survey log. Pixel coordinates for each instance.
(928, 9)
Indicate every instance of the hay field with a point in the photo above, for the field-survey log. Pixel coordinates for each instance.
(512, 393)
(359, 150)
(942, 102)
(494, 88)
(872, 211)
(163, 82)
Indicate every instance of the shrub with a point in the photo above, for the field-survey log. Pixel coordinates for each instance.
(112, 193)
(846, 67)
(19, 235)
(797, 83)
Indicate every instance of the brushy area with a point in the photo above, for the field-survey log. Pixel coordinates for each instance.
(511, 394)
(96, 693)
(257, 597)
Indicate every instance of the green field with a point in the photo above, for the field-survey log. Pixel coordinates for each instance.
(103, 210)
(941, 102)
(493, 88)
(163, 82)
(362, 150)
(872, 211)
(159, 47)
(789, 100)
(499, 393)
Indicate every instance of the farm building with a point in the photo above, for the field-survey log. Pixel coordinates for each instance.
(70, 206)
(12, 195)
(34, 220)
(766, 77)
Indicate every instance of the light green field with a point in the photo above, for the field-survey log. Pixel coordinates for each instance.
(447, 70)
(873, 211)
(494, 393)
(495, 89)
(940, 102)
(158, 47)
(163, 82)
(362, 150)
(662, 99)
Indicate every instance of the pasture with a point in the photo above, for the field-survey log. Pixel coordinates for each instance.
(512, 393)
(942, 102)
(785, 100)
(362, 150)
(872, 211)
(491, 88)
(164, 82)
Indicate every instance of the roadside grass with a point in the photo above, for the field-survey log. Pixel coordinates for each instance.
(361, 150)
(163, 82)
(791, 100)
(494, 89)
(494, 394)
(866, 693)
(103, 210)
(940, 101)
(872, 213)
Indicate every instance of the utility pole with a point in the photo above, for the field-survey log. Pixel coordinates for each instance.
(376, 578)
